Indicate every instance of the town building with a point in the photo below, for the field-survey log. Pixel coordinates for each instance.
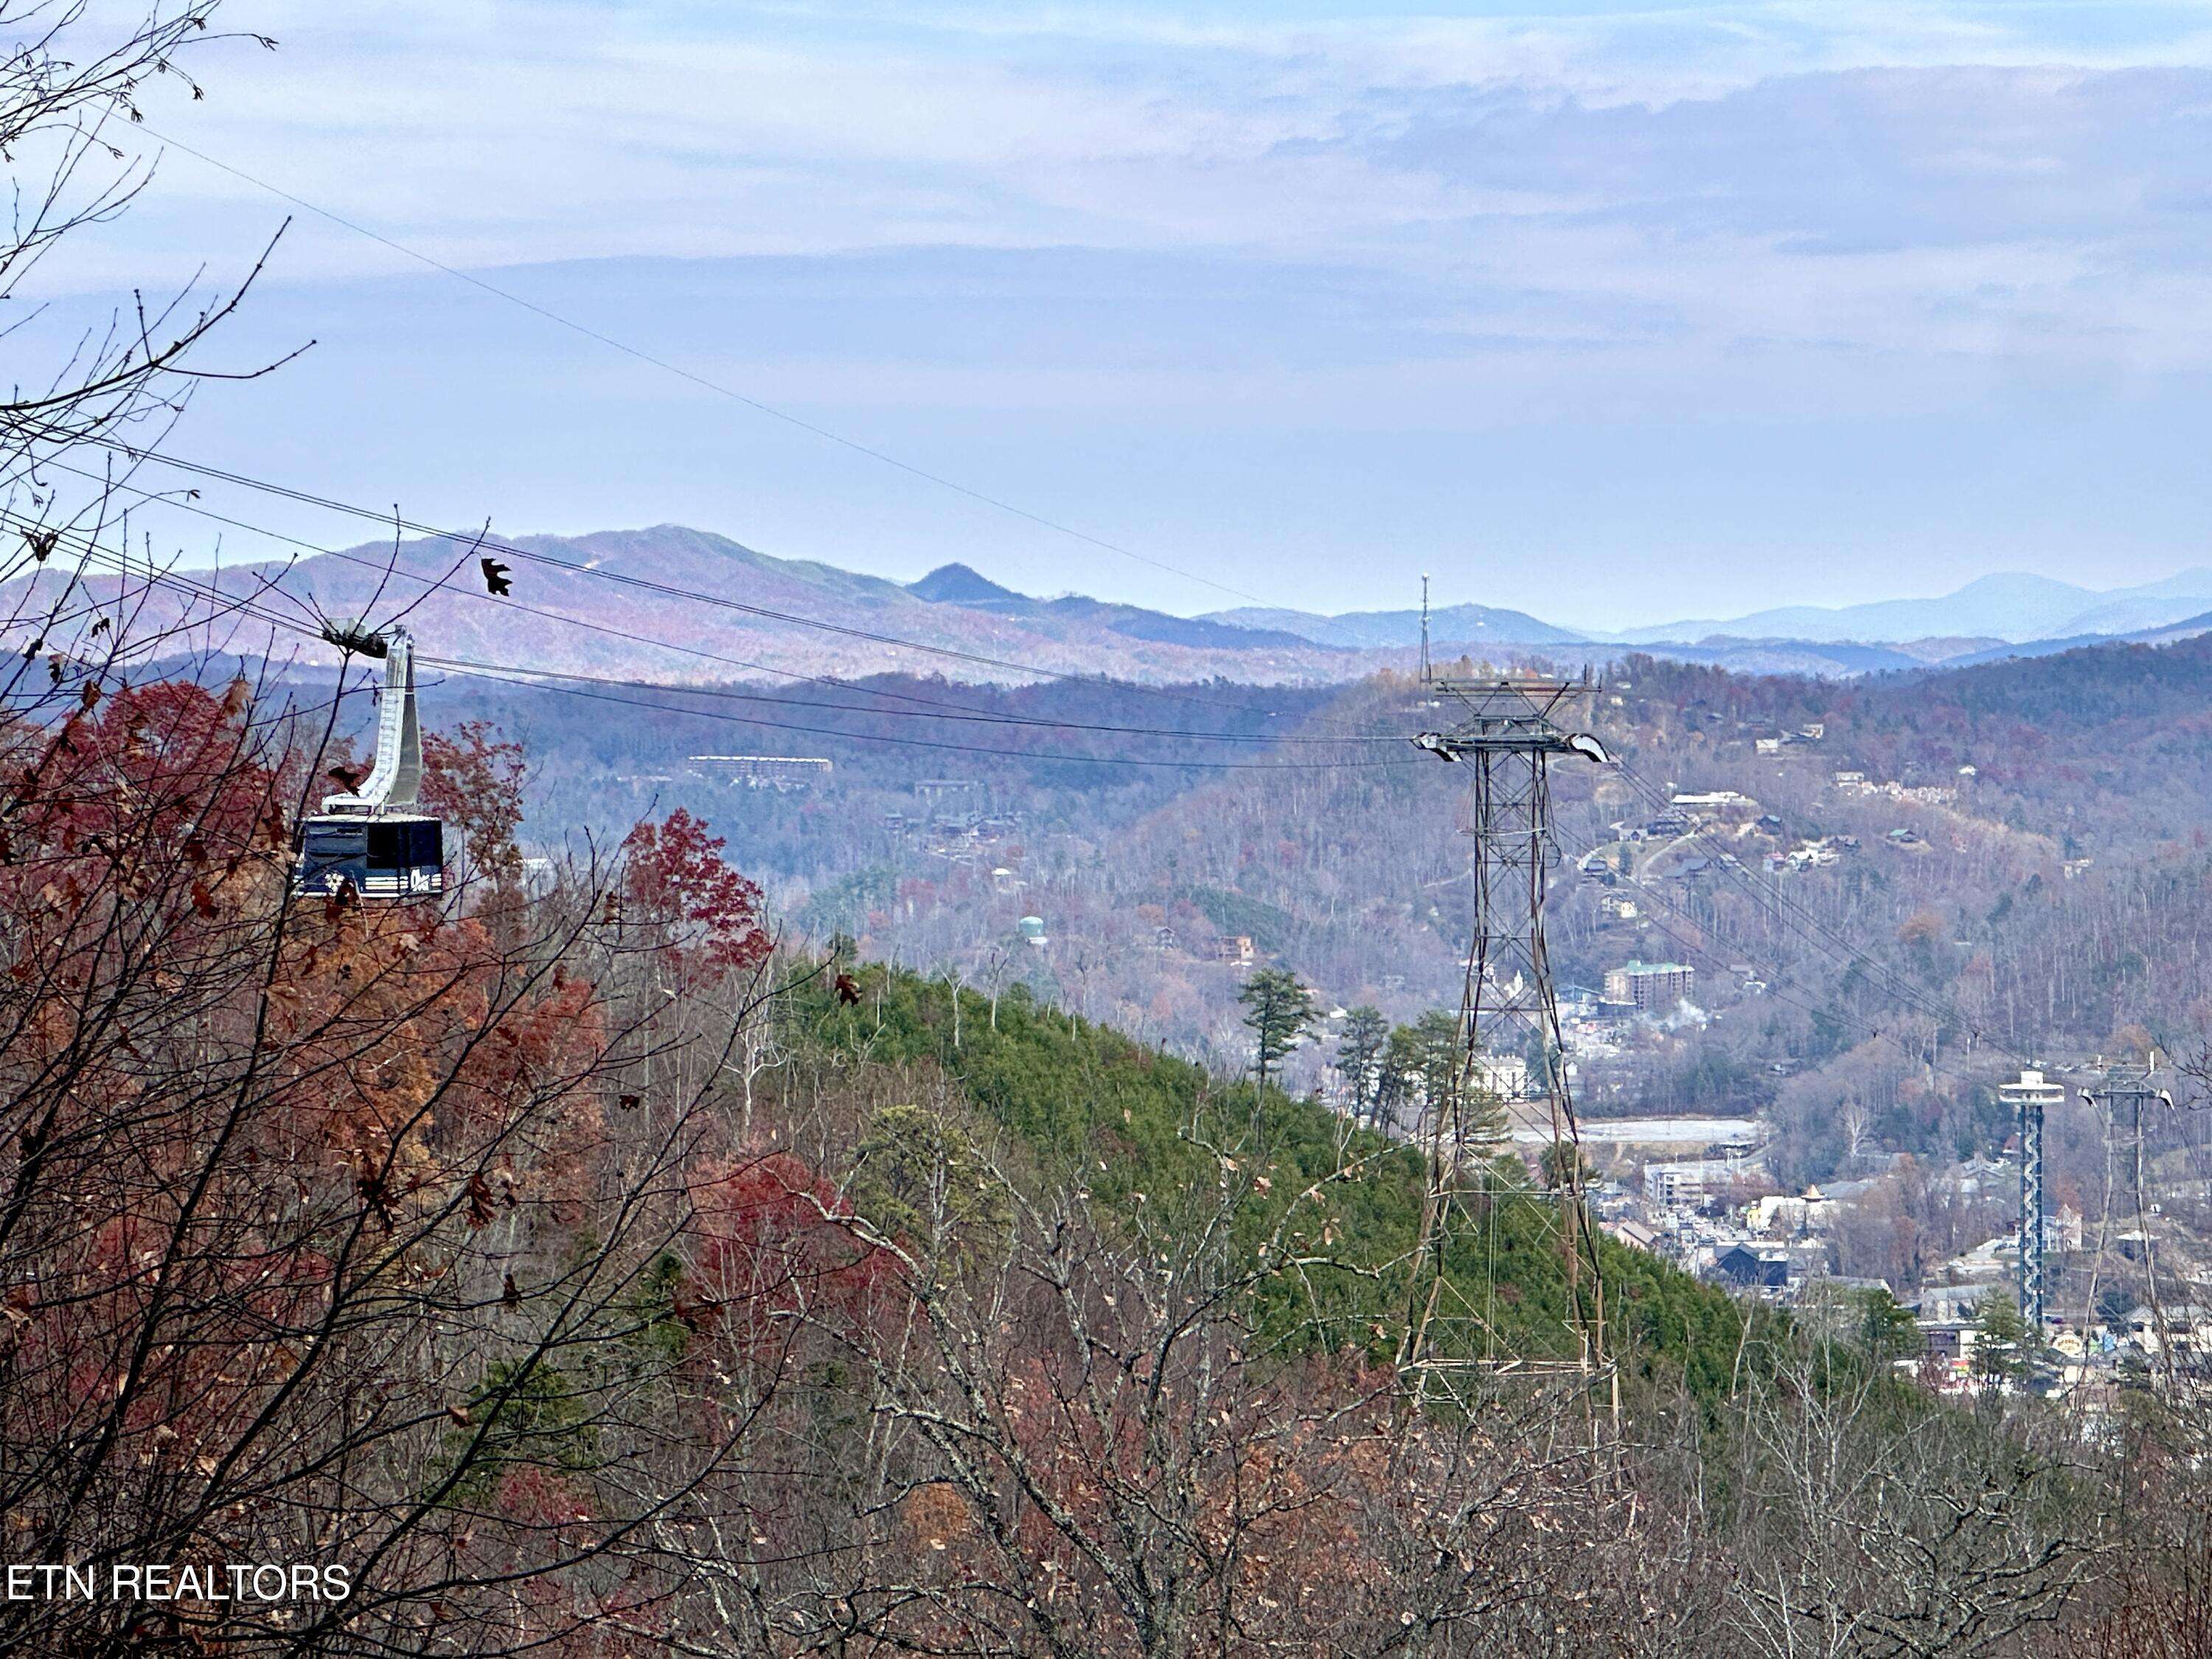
(1636, 1234)
(1655, 987)
(779, 772)
(1948, 1303)
(2063, 1231)
(1504, 1077)
(937, 791)
(2182, 1328)
(1753, 1269)
(1683, 1184)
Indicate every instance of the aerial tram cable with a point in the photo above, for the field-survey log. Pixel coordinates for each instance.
(1825, 937)
(120, 565)
(367, 840)
(1742, 953)
(492, 544)
(723, 693)
(1948, 1068)
(961, 711)
(968, 711)
(543, 680)
(539, 679)
(1885, 979)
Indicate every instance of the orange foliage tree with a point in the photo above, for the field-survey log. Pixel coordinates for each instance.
(316, 1243)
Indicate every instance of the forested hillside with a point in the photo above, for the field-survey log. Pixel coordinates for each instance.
(549, 1109)
(583, 1274)
(1156, 1140)
(698, 1287)
(1871, 957)
(1340, 858)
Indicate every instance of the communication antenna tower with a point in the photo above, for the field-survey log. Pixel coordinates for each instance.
(1511, 728)
(1426, 671)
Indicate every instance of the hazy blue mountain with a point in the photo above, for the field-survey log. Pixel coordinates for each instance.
(807, 617)
(957, 585)
(2196, 580)
(2012, 606)
(2127, 615)
(2008, 608)
(621, 603)
(1840, 659)
(1371, 630)
(2165, 633)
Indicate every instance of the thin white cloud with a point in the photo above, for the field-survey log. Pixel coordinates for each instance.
(1950, 209)
(1763, 213)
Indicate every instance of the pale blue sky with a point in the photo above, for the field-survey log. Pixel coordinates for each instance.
(1610, 313)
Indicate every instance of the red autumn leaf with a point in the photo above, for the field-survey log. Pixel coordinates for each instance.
(480, 1197)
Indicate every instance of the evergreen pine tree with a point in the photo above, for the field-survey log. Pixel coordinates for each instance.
(1276, 1009)
(1359, 1059)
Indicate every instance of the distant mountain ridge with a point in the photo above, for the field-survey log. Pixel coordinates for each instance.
(2188, 627)
(1378, 630)
(956, 584)
(577, 621)
(2010, 606)
(774, 618)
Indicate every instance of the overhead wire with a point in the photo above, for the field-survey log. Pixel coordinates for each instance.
(527, 677)
(484, 542)
(1841, 1016)
(1884, 977)
(723, 693)
(87, 547)
(1886, 989)
(964, 711)
(592, 687)
(1824, 936)
(1829, 939)
(540, 680)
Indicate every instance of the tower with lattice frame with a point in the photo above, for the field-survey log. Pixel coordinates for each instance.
(2122, 1092)
(1508, 730)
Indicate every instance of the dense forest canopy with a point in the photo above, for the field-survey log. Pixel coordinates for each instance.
(736, 1218)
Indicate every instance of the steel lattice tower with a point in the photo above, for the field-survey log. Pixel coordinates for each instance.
(2123, 1090)
(1510, 730)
